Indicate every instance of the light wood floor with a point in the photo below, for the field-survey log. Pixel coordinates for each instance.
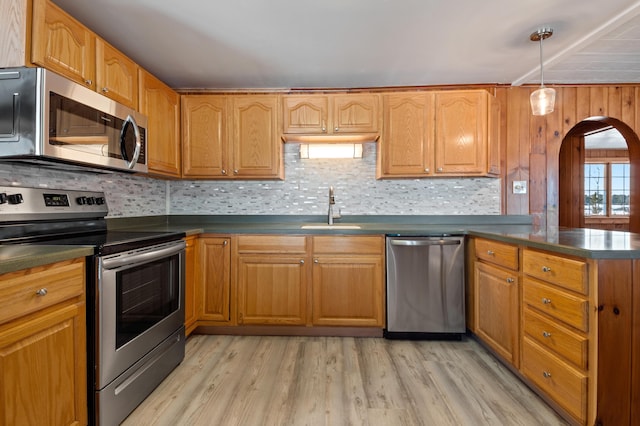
(240, 380)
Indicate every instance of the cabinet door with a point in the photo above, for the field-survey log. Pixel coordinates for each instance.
(161, 105)
(496, 309)
(43, 366)
(461, 132)
(204, 136)
(190, 303)
(355, 113)
(406, 147)
(214, 265)
(348, 291)
(116, 75)
(62, 44)
(305, 113)
(272, 289)
(257, 147)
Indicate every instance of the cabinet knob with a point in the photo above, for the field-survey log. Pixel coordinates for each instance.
(88, 82)
(235, 171)
(439, 170)
(510, 280)
(324, 127)
(546, 301)
(546, 269)
(42, 292)
(546, 374)
(426, 170)
(225, 242)
(105, 90)
(336, 129)
(546, 334)
(316, 261)
(491, 252)
(223, 171)
(302, 261)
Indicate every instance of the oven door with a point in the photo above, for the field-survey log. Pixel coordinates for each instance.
(140, 302)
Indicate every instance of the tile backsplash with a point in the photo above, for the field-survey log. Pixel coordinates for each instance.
(305, 190)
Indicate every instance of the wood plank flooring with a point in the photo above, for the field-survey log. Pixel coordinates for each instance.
(246, 380)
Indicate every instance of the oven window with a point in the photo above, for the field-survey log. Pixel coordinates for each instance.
(145, 295)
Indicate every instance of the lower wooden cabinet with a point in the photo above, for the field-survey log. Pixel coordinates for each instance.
(43, 346)
(272, 290)
(213, 284)
(348, 281)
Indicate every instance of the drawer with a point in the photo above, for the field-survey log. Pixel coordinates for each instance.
(552, 336)
(563, 383)
(272, 244)
(566, 307)
(60, 281)
(348, 244)
(561, 271)
(501, 254)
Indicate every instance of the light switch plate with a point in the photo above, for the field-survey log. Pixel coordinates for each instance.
(519, 186)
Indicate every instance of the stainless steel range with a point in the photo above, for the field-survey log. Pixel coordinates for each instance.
(135, 292)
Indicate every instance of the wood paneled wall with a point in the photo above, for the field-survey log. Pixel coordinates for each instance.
(531, 145)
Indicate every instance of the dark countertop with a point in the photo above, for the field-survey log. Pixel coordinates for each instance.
(588, 243)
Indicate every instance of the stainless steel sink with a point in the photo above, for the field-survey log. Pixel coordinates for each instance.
(336, 227)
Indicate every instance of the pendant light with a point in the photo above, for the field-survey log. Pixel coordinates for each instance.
(543, 99)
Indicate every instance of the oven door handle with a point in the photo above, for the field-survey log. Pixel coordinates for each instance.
(143, 257)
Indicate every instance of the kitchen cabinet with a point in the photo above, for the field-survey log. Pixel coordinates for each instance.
(213, 285)
(116, 75)
(348, 281)
(272, 279)
(62, 44)
(331, 113)
(439, 133)
(190, 299)
(231, 137)
(43, 346)
(497, 297)
(161, 105)
(556, 328)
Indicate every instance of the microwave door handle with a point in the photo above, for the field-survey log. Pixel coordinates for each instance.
(136, 153)
(129, 259)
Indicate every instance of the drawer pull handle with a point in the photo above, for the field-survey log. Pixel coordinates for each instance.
(510, 280)
(546, 269)
(546, 301)
(42, 292)
(490, 252)
(546, 374)
(546, 334)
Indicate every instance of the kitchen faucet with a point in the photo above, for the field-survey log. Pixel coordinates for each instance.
(332, 202)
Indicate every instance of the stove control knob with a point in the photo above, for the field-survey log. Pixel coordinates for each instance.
(81, 200)
(3, 197)
(91, 200)
(100, 201)
(15, 198)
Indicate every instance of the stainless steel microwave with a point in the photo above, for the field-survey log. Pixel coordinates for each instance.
(47, 118)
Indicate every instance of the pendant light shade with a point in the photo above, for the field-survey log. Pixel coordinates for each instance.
(542, 100)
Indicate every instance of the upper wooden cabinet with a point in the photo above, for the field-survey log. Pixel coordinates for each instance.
(331, 114)
(231, 137)
(116, 75)
(62, 44)
(439, 133)
(161, 105)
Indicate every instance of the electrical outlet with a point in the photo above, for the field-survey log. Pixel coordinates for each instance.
(519, 186)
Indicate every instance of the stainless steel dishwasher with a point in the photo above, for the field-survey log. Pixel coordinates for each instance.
(425, 287)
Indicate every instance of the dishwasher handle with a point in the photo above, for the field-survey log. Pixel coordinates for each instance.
(440, 242)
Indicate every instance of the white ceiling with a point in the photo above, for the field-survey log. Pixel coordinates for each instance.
(369, 43)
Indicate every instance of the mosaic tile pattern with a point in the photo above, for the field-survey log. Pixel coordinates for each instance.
(127, 195)
(305, 190)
